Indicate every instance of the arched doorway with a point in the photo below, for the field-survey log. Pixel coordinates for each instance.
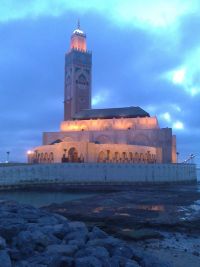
(46, 157)
(51, 157)
(73, 154)
(101, 157)
(130, 156)
(42, 158)
(124, 157)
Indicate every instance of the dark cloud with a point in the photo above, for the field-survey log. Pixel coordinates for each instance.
(129, 63)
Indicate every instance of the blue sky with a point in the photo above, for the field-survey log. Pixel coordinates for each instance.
(145, 53)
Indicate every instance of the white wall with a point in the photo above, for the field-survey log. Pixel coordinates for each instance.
(96, 173)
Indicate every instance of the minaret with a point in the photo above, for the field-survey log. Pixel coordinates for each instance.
(78, 68)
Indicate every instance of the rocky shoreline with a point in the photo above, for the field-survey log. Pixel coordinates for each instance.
(31, 237)
(163, 221)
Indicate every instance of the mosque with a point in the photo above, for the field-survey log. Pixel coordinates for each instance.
(117, 135)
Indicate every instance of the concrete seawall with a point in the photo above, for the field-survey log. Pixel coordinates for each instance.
(92, 173)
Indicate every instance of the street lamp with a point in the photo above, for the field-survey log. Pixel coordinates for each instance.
(8, 154)
(30, 156)
(177, 154)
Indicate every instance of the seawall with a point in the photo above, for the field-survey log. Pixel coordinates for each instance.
(93, 174)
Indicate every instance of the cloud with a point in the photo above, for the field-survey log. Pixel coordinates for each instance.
(155, 13)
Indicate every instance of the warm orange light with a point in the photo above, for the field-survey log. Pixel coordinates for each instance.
(110, 124)
(78, 42)
(29, 152)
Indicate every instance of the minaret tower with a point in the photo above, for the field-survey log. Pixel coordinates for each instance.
(78, 68)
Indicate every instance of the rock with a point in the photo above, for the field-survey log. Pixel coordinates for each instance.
(30, 215)
(61, 219)
(114, 262)
(2, 243)
(131, 263)
(88, 262)
(35, 239)
(22, 264)
(5, 259)
(124, 251)
(58, 230)
(119, 260)
(11, 227)
(48, 220)
(74, 226)
(80, 243)
(62, 262)
(67, 250)
(97, 233)
(98, 252)
(61, 230)
(151, 261)
(196, 253)
(109, 243)
(77, 235)
(15, 254)
(138, 254)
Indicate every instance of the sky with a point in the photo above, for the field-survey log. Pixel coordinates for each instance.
(145, 53)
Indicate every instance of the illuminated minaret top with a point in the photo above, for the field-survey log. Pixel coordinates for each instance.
(78, 39)
(78, 76)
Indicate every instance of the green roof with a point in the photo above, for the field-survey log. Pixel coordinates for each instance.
(110, 113)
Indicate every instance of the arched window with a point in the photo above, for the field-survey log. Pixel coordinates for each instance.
(41, 158)
(51, 157)
(101, 157)
(136, 157)
(130, 156)
(68, 80)
(116, 157)
(46, 157)
(82, 79)
(73, 154)
(124, 156)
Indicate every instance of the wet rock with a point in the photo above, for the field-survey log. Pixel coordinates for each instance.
(77, 235)
(36, 238)
(196, 253)
(97, 233)
(98, 252)
(131, 263)
(15, 254)
(124, 251)
(74, 226)
(80, 243)
(21, 264)
(11, 227)
(48, 220)
(62, 262)
(120, 260)
(2, 243)
(5, 260)
(109, 243)
(151, 261)
(68, 250)
(88, 262)
(58, 230)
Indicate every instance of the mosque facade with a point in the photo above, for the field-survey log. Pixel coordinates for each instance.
(117, 135)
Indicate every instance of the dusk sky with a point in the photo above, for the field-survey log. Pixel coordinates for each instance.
(145, 53)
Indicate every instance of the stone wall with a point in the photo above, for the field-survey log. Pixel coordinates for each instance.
(91, 173)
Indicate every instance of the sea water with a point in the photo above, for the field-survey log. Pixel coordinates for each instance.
(42, 198)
